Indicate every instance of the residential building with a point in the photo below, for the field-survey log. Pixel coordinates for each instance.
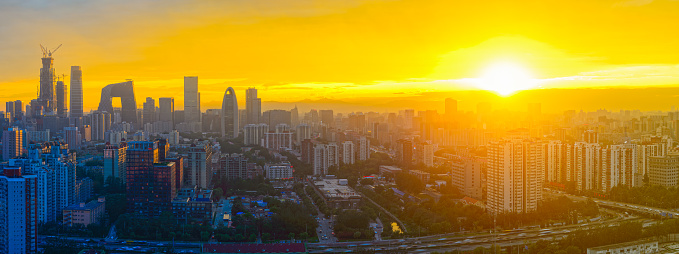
(18, 212)
(278, 171)
(114, 161)
(12, 143)
(664, 171)
(85, 213)
(515, 173)
(200, 170)
(348, 152)
(466, 175)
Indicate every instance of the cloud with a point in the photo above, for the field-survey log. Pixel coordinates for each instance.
(631, 3)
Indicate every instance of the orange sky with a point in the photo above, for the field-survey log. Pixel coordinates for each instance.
(336, 49)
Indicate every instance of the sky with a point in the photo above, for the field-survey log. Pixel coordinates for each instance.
(362, 53)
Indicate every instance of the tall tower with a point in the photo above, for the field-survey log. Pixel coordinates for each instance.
(166, 106)
(76, 92)
(191, 100)
(253, 105)
(47, 96)
(149, 114)
(229, 117)
(62, 95)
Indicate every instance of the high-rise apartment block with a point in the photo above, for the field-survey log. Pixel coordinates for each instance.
(254, 134)
(12, 143)
(364, 148)
(466, 175)
(114, 161)
(18, 212)
(234, 166)
(515, 176)
(348, 152)
(200, 169)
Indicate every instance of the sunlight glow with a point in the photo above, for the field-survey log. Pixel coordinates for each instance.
(505, 78)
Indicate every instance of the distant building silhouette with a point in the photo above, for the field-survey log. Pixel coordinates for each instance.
(230, 114)
(76, 92)
(125, 91)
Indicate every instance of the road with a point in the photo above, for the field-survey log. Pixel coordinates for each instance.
(325, 229)
(517, 237)
(425, 244)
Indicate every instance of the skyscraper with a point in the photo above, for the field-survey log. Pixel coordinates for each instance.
(62, 97)
(149, 114)
(294, 116)
(230, 114)
(76, 92)
(327, 117)
(191, 100)
(253, 105)
(166, 107)
(124, 91)
(18, 110)
(9, 110)
(18, 212)
(47, 96)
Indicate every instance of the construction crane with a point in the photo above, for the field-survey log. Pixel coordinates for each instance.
(48, 53)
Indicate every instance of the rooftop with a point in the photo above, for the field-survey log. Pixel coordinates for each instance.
(333, 188)
(85, 207)
(622, 245)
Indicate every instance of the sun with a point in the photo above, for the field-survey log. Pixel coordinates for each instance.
(505, 78)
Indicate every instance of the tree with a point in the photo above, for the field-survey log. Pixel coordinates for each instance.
(409, 183)
(217, 194)
(266, 237)
(357, 234)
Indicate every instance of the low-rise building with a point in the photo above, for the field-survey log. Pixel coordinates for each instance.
(337, 193)
(423, 176)
(664, 171)
(194, 204)
(278, 171)
(85, 213)
(636, 247)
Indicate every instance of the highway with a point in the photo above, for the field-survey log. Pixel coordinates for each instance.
(458, 241)
(426, 244)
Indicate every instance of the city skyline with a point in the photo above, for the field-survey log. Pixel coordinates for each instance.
(593, 52)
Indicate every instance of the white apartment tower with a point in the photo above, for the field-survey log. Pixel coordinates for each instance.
(515, 176)
(348, 152)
